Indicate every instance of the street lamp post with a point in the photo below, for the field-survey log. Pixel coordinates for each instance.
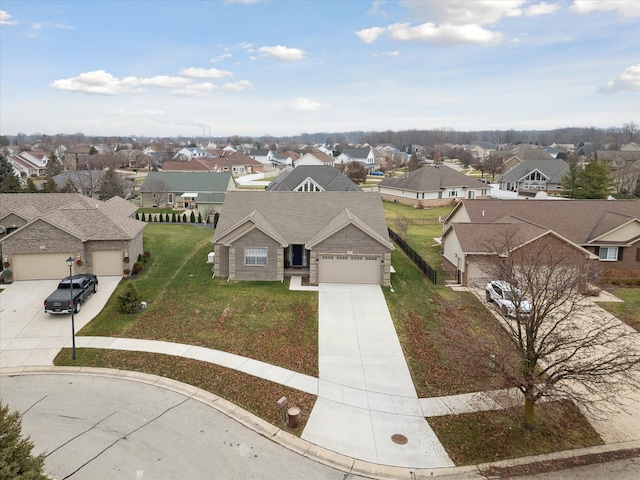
(73, 309)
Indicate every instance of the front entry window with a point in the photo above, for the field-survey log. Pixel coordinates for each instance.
(255, 256)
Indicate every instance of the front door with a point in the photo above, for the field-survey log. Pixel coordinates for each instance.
(298, 252)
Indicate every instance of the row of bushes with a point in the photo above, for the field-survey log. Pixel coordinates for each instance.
(621, 278)
(138, 265)
(169, 218)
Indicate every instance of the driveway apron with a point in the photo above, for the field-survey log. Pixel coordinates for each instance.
(367, 404)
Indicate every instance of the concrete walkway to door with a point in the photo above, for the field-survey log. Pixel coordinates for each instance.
(367, 405)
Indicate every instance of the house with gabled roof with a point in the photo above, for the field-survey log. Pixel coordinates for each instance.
(313, 178)
(365, 156)
(204, 191)
(336, 237)
(607, 232)
(315, 158)
(29, 163)
(534, 174)
(431, 186)
(40, 231)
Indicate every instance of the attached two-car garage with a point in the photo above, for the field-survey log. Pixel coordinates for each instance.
(40, 266)
(349, 269)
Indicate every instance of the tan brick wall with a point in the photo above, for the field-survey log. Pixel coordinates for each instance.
(255, 238)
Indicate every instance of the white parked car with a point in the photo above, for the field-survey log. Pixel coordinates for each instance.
(508, 298)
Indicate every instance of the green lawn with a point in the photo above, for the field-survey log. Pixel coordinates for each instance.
(261, 320)
(629, 310)
(266, 321)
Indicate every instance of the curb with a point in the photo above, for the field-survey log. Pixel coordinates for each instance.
(307, 449)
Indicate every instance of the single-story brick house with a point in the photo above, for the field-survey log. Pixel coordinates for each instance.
(336, 237)
(431, 186)
(40, 231)
(606, 231)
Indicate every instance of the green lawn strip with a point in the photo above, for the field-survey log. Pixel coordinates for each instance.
(255, 395)
(481, 437)
(419, 309)
(627, 311)
(261, 320)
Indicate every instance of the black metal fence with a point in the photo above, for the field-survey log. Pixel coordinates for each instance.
(423, 266)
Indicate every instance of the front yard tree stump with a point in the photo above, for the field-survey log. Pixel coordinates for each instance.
(294, 417)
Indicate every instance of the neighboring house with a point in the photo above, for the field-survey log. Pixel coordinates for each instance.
(42, 230)
(604, 230)
(204, 191)
(312, 178)
(191, 153)
(431, 186)
(315, 158)
(133, 158)
(86, 182)
(234, 162)
(534, 175)
(337, 237)
(365, 156)
(29, 163)
(624, 166)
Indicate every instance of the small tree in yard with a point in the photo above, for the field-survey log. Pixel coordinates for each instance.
(16, 459)
(356, 172)
(129, 299)
(561, 349)
(402, 225)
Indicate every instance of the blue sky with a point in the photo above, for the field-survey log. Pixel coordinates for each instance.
(165, 68)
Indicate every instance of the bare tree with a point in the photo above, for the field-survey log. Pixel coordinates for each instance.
(402, 225)
(159, 190)
(555, 345)
(356, 172)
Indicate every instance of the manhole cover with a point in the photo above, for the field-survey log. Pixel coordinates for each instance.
(399, 439)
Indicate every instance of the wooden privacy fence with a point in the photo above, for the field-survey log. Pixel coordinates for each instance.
(423, 266)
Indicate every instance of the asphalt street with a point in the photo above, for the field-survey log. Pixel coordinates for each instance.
(94, 427)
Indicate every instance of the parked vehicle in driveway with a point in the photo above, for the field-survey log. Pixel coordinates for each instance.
(84, 285)
(508, 298)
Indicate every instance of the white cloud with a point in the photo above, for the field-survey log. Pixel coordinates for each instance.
(5, 18)
(449, 34)
(35, 29)
(220, 58)
(237, 86)
(454, 21)
(629, 80)
(282, 53)
(464, 12)
(100, 82)
(541, 8)
(369, 35)
(625, 8)
(376, 9)
(205, 73)
(306, 104)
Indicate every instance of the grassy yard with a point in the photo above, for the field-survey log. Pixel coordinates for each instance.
(266, 321)
(483, 437)
(629, 311)
(261, 320)
(425, 226)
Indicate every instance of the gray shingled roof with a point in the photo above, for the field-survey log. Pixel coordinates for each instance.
(555, 169)
(300, 218)
(326, 176)
(211, 187)
(431, 179)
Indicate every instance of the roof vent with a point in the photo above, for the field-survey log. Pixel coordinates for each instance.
(483, 213)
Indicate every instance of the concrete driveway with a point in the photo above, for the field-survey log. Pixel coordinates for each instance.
(30, 337)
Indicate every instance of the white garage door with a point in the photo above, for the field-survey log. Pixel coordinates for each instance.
(349, 269)
(40, 266)
(108, 262)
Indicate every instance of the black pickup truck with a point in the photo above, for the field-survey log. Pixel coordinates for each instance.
(84, 285)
